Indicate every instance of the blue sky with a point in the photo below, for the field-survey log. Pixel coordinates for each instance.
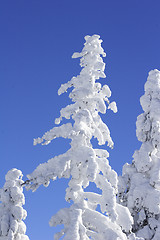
(37, 40)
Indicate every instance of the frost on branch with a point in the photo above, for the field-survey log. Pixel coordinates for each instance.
(139, 188)
(82, 163)
(12, 213)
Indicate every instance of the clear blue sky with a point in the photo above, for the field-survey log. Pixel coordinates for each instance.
(37, 39)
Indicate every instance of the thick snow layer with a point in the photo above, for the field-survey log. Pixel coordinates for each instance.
(124, 219)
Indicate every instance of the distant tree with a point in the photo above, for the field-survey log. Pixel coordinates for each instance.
(139, 187)
(12, 213)
(82, 163)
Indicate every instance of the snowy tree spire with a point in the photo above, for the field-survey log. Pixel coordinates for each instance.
(82, 163)
(142, 177)
(12, 213)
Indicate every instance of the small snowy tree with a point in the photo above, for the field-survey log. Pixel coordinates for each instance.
(82, 163)
(139, 187)
(12, 213)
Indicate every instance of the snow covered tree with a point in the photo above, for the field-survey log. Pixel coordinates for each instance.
(82, 163)
(139, 187)
(12, 213)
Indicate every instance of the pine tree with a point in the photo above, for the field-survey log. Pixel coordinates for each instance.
(82, 163)
(139, 187)
(12, 213)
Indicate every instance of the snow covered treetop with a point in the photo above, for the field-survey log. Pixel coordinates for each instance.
(90, 56)
(93, 68)
(92, 44)
(153, 81)
(152, 91)
(13, 175)
(12, 213)
(148, 123)
(88, 96)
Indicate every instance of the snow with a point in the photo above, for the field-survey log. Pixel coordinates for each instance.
(123, 220)
(113, 107)
(139, 187)
(82, 163)
(127, 207)
(12, 213)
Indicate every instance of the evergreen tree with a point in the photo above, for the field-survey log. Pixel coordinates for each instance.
(12, 213)
(82, 163)
(139, 187)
